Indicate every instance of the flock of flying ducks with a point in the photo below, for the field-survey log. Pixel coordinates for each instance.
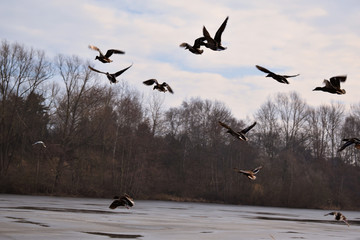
(332, 86)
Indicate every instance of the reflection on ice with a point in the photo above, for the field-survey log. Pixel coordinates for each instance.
(32, 217)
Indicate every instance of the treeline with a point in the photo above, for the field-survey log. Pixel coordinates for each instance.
(102, 140)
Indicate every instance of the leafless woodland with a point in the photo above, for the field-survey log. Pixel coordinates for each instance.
(102, 140)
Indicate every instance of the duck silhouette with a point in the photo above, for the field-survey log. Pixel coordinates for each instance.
(163, 87)
(239, 135)
(339, 217)
(333, 86)
(277, 77)
(124, 200)
(111, 76)
(105, 58)
(215, 43)
(39, 142)
(249, 173)
(196, 47)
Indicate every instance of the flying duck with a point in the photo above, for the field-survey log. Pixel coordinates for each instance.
(39, 142)
(333, 86)
(215, 43)
(124, 200)
(160, 87)
(239, 135)
(339, 217)
(279, 78)
(196, 47)
(249, 173)
(111, 76)
(105, 58)
(348, 142)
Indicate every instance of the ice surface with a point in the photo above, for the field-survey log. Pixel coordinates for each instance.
(33, 217)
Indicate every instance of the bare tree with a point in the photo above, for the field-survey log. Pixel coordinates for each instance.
(292, 111)
(22, 71)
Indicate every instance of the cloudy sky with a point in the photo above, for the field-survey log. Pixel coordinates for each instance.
(318, 39)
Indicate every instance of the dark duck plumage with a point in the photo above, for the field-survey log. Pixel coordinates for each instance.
(196, 47)
(348, 142)
(111, 76)
(277, 77)
(124, 200)
(239, 135)
(339, 217)
(215, 43)
(249, 173)
(163, 87)
(333, 86)
(105, 58)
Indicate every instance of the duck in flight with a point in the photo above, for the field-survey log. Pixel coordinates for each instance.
(163, 87)
(333, 86)
(39, 142)
(239, 135)
(195, 49)
(215, 43)
(277, 77)
(124, 200)
(339, 217)
(111, 76)
(105, 58)
(249, 173)
(348, 142)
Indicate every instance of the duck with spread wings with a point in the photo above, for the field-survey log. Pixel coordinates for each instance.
(163, 87)
(239, 135)
(111, 76)
(333, 86)
(215, 43)
(277, 77)
(105, 58)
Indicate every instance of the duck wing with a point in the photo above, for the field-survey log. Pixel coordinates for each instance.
(116, 203)
(112, 51)
(256, 170)
(248, 128)
(168, 88)
(263, 69)
(346, 144)
(219, 32)
(207, 36)
(96, 49)
(121, 71)
(150, 82)
(199, 42)
(290, 76)
(335, 81)
(226, 126)
(93, 69)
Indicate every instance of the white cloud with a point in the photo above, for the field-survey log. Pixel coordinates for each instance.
(286, 37)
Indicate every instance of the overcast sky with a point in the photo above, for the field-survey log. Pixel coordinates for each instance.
(317, 39)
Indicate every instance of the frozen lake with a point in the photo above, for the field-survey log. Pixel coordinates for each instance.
(33, 217)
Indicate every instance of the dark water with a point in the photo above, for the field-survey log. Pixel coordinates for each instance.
(31, 217)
